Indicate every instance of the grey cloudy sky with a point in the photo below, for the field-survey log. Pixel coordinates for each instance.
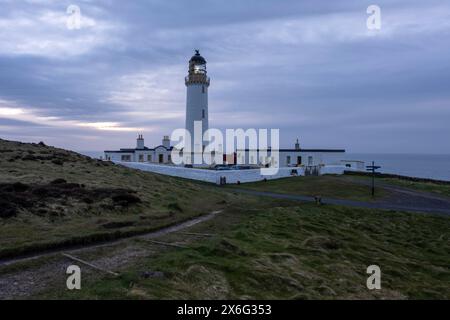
(310, 68)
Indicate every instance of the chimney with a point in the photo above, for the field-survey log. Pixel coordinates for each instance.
(297, 145)
(166, 142)
(140, 142)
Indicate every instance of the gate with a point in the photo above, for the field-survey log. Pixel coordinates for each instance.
(312, 170)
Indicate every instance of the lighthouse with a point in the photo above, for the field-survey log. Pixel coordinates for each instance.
(197, 83)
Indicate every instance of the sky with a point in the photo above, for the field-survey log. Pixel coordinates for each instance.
(312, 69)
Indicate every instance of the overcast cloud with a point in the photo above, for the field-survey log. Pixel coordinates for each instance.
(310, 68)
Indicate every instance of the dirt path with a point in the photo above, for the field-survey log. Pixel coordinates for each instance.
(403, 201)
(22, 277)
(399, 189)
(43, 270)
(404, 196)
(150, 235)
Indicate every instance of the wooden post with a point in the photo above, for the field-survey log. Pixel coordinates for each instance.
(197, 234)
(372, 168)
(373, 178)
(164, 243)
(90, 265)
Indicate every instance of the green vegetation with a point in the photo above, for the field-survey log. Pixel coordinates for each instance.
(324, 186)
(299, 252)
(438, 188)
(260, 248)
(52, 197)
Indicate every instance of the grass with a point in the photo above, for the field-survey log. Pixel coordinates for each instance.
(438, 188)
(261, 248)
(65, 219)
(325, 186)
(298, 252)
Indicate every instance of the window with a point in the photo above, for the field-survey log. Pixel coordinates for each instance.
(203, 89)
(169, 158)
(149, 158)
(310, 161)
(288, 160)
(200, 69)
(141, 158)
(203, 113)
(126, 158)
(299, 160)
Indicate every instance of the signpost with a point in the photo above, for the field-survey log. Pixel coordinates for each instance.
(372, 168)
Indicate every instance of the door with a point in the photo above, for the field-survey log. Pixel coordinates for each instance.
(161, 158)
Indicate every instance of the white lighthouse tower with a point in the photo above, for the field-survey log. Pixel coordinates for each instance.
(197, 83)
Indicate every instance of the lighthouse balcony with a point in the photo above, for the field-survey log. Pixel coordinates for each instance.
(196, 79)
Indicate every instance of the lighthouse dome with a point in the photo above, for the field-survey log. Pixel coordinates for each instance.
(197, 58)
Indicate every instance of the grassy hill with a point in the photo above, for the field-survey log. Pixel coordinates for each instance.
(256, 248)
(298, 252)
(52, 197)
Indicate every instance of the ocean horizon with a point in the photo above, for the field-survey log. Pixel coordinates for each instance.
(430, 166)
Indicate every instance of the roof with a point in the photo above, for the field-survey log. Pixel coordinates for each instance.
(121, 151)
(246, 150)
(360, 161)
(296, 150)
(124, 150)
(312, 150)
(197, 58)
(161, 146)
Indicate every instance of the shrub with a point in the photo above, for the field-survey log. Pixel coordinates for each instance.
(125, 199)
(30, 157)
(58, 162)
(14, 187)
(58, 181)
(175, 206)
(118, 224)
(7, 210)
(20, 187)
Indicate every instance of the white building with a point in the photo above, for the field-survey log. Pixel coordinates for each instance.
(356, 165)
(197, 83)
(291, 157)
(159, 154)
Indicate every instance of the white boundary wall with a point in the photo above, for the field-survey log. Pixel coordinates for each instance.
(334, 169)
(232, 176)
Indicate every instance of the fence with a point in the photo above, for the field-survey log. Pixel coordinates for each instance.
(214, 176)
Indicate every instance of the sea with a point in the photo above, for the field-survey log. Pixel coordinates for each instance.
(431, 166)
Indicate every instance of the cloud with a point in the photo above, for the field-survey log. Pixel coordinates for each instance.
(10, 110)
(45, 33)
(310, 68)
(155, 93)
